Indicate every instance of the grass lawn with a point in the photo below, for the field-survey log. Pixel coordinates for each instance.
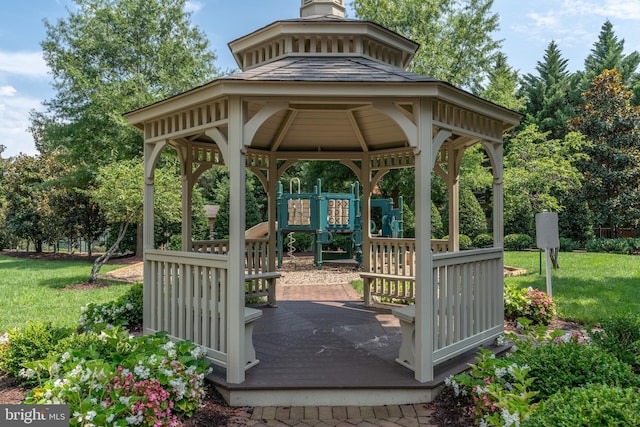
(588, 286)
(32, 290)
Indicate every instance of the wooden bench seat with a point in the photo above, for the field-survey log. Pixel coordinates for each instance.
(262, 284)
(370, 278)
(407, 353)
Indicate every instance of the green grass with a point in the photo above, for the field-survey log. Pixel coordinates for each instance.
(588, 287)
(31, 290)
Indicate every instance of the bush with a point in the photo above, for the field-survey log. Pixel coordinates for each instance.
(532, 304)
(592, 405)
(109, 387)
(625, 245)
(517, 242)
(569, 365)
(302, 242)
(568, 245)
(620, 335)
(33, 342)
(125, 311)
(463, 240)
(483, 240)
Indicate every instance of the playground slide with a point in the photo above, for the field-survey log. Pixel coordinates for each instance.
(257, 231)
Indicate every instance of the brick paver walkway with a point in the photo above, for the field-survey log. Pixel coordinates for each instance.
(418, 415)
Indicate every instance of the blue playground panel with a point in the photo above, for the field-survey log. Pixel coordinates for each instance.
(323, 214)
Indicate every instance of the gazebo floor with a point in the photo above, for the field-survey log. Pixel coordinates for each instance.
(328, 352)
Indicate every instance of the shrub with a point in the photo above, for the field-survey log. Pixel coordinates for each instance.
(302, 242)
(464, 241)
(588, 406)
(33, 342)
(570, 364)
(108, 387)
(531, 304)
(498, 388)
(620, 335)
(568, 245)
(483, 240)
(617, 246)
(125, 311)
(517, 242)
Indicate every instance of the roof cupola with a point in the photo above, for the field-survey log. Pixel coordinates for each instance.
(322, 8)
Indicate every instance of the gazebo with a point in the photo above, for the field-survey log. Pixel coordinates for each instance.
(323, 87)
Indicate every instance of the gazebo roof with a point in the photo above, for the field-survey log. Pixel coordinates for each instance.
(333, 69)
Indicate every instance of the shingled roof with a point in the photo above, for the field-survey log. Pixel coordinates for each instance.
(331, 68)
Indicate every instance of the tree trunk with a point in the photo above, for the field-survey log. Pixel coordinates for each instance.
(139, 240)
(554, 257)
(102, 259)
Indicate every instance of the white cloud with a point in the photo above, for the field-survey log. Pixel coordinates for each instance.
(7, 91)
(14, 121)
(193, 6)
(27, 64)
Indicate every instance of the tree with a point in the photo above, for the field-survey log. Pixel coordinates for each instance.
(109, 57)
(454, 35)
(29, 213)
(547, 94)
(119, 195)
(253, 214)
(607, 54)
(502, 87)
(537, 171)
(611, 166)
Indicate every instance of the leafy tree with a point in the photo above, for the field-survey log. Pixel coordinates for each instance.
(455, 36)
(119, 194)
(29, 213)
(611, 167)
(108, 57)
(502, 87)
(537, 171)
(547, 94)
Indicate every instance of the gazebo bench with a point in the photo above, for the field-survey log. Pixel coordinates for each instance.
(261, 285)
(369, 278)
(407, 353)
(250, 317)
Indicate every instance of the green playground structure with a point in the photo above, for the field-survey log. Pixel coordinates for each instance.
(326, 214)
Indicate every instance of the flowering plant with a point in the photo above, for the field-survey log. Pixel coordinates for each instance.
(529, 303)
(498, 390)
(125, 311)
(132, 381)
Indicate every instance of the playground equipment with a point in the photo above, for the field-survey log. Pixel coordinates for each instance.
(326, 214)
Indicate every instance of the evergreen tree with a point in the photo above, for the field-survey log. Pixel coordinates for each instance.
(502, 88)
(547, 94)
(611, 166)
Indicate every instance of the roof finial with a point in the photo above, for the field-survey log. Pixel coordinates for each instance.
(322, 7)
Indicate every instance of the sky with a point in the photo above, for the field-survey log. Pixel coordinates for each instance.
(526, 29)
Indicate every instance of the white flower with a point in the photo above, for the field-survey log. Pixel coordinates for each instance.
(510, 419)
(129, 306)
(142, 371)
(90, 415)
(501, 372)
(4, 338)
(65, 356)
(27, 373)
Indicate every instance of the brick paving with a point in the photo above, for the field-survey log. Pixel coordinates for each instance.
(418, 415)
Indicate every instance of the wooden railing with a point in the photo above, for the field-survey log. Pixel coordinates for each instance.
(259, 280)
(468, 300)
(185, 295)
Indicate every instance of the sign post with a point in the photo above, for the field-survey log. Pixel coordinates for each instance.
(547, 238)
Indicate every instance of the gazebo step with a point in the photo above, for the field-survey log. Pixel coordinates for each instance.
(328, 396)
